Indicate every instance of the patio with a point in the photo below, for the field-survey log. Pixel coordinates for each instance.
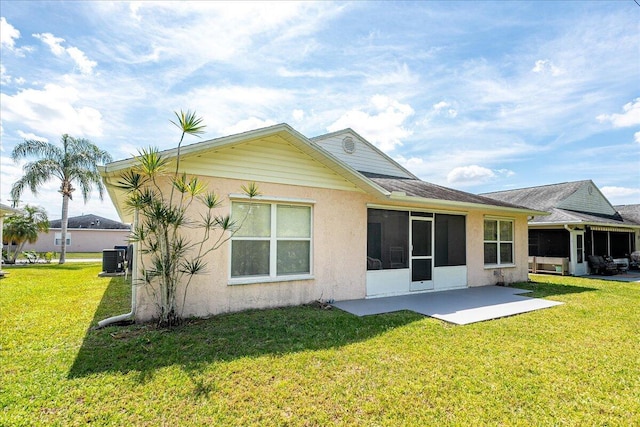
(461, 307)
(627, 276)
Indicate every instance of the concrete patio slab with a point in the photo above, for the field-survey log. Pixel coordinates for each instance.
(461, 306)
(629, 276)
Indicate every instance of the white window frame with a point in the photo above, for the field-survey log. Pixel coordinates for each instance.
(57, 239)
(499, 241)
(273, 241)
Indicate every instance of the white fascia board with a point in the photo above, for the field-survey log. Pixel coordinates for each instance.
(450, 203)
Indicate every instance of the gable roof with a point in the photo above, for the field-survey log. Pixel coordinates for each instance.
(362, 155)
(629, 213)
(94, 222)
(381, 188)
(578, 202)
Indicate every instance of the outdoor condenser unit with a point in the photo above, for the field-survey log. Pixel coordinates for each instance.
(112, 261)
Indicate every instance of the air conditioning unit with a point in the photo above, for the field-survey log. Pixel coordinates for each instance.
(112, 260)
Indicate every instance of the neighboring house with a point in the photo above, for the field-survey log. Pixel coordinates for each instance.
(337, 219)
(582, 223)
(85, 233)
(4, 211)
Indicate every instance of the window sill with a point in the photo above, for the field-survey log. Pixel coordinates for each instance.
(494, 266)
(266, 279)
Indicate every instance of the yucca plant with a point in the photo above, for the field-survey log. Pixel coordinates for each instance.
(171, 256)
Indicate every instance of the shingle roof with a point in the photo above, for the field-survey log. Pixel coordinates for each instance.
(630, 213)
(90, 221)
(418, 188)
(548, 197)
(544, 197)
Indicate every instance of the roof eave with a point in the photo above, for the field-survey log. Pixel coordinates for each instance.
(584, 223)
(467, 205)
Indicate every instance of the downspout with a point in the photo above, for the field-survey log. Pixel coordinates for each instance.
(134, 275)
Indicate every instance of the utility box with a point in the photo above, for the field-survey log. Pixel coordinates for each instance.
(112, 260)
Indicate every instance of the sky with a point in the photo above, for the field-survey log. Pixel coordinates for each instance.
(476, 96)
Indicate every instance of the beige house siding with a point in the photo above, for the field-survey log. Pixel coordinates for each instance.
(339, 255)
(288, 168)
(82, 240)
(481, 276)
(339, 258)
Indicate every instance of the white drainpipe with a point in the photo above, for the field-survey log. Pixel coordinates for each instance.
(134, 275)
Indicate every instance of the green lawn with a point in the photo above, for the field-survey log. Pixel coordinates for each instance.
(574, 364)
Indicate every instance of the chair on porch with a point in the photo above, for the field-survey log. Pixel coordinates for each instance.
(601, 266)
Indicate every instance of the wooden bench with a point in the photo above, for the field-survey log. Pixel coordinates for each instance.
(551, 265)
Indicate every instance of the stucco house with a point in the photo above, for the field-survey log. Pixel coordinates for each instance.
(4, 211)
(85, 233)
(582, 222)
(337, 219)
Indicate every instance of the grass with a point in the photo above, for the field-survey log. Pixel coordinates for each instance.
(83, 255)
(574, 364)
(70, 255)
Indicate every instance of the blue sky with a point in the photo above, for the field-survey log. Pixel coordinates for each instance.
(478, 96)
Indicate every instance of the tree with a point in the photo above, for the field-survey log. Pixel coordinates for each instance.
(22, 228)
(167, 220)
(75, 163)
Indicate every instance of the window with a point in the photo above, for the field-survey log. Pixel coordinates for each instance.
(580, 248)
(58, 239)
(498, 241)
(274, 240)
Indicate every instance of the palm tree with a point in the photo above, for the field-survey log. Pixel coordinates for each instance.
(76, 163)
(23, 228)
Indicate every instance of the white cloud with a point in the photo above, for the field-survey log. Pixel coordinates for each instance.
(8, 34)
(618, 192)
(52, 41)
(55, 44)
(313, 73)
(630, 117)
(544, 66)
(402, 75)
(468, 174)
(248, 124)
(474, 174)
(444, 108)
(636, 137)
(413, 164)
(53, 111)
(29, 135)
(382, 124)
(4, 77)
(84, 64)
(297, 115)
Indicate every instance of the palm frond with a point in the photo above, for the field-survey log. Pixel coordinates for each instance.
(251, 189)
(150, 162)
(189, 123)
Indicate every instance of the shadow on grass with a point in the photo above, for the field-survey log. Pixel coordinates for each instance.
(199, 342)
(546, 289)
